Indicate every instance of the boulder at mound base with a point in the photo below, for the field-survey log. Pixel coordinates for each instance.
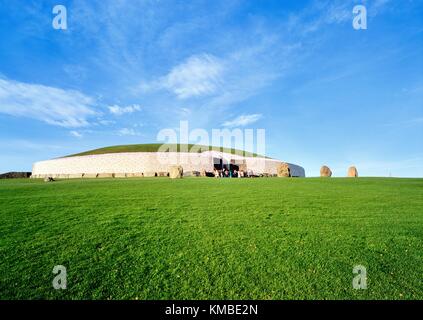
(283, 170)
(176, 172)
(325, 171)
(352, 172)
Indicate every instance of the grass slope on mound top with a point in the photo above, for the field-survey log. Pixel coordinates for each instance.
(154, 147)
(200, 238)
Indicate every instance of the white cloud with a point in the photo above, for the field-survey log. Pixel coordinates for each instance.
(338, 13)
(199, 75)
(117, 110)
(75, 134)
(183, 112)
(55, 106)
(377, 7)
(105, 122)
(75, 71)
(242, 120)
(128, 132)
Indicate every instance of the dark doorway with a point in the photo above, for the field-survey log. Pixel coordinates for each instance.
(218, 164)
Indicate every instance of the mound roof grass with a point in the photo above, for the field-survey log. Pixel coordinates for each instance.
(154, 147)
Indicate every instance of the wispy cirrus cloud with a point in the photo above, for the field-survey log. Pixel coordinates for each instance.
(75, 134)
(242, 120)
(55, 106)
(199, 75)
(118, 110)
(128, 132)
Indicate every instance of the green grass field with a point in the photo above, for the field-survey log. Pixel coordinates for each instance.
(205, 238)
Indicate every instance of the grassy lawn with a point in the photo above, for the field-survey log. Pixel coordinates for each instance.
(205, 238)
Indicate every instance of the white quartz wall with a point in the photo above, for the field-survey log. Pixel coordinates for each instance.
(149, 162)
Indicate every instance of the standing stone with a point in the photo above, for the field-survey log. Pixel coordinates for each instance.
(352, 172)
(243, 166)
(176, 172)
(283, 170)
(325, 172)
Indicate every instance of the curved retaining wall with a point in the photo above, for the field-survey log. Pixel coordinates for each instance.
(135, 164)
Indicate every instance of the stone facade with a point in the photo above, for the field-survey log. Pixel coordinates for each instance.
(150, 164)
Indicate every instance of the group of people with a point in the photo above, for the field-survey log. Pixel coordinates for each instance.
(229, 173)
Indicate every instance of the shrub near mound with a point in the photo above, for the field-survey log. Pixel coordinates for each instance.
(15, 175)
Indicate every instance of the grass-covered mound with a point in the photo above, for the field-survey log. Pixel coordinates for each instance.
(154, 147)
(212, 238)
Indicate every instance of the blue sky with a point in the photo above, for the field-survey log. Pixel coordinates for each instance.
(123, 70)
